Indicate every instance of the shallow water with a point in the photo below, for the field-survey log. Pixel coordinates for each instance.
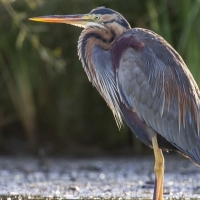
(95, 178)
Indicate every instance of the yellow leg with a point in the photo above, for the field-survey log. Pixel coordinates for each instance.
(159, 170)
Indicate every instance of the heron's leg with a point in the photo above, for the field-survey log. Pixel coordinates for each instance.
(159, 170)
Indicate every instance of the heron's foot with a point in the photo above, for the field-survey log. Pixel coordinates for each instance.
(159, 170)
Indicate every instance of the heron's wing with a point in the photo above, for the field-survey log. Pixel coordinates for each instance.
(154, 81)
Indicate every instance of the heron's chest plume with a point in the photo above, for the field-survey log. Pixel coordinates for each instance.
(98, 66)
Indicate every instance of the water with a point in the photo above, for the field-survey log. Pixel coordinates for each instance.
(95, 178)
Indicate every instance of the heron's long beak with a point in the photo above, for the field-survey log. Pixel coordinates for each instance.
(76, 20)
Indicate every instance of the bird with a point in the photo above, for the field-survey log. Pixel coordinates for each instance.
(143, 80)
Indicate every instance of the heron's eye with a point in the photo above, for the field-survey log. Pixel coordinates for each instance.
(96, 18)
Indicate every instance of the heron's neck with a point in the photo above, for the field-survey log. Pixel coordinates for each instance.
(91, 36)
(103, 37)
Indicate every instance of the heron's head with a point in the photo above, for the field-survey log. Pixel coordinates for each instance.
(101, 16)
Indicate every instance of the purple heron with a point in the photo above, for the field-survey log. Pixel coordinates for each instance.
(143, 80)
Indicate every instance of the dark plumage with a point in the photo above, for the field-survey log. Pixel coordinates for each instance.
(143, 80)
(102, 11)
(164, 94)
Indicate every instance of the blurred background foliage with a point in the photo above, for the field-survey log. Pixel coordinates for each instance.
(46, 100)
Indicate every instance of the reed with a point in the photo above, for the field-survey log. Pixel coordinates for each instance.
(42, 84)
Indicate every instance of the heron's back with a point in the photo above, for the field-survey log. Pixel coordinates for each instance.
(155, 84)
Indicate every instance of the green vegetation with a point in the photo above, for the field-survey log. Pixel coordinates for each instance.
(44, 91)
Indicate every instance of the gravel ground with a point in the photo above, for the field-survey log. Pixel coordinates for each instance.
(72, 178)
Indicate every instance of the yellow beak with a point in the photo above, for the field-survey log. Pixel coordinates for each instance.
(76, 20)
